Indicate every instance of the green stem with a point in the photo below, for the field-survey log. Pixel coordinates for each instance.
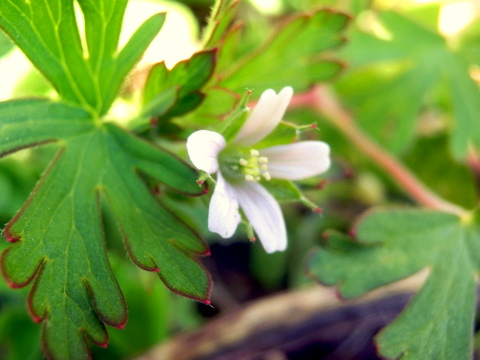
(324, 102)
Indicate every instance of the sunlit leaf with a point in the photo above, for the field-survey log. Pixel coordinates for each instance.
(219, 22)
(5, 45)
(187, 77)
(218, 102)
(49, 36)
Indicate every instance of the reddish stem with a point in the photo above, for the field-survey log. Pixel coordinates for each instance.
(325, 103)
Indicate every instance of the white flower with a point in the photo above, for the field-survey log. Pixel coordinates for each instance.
(240, 168)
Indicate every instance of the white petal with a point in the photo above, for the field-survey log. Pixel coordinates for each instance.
(203, 147)
(297, 161)
(223, 215)
(264, 117)
(265, 215)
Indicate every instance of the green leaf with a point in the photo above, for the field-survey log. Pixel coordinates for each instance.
(393, 68)
(456, 185)
(283, 190)
(391, 121)
(5, 45)
(134, 49)
(217, 103)
(49, 36)
(466, 107)
(25, 123)
(411, 73)
(188, 76)
(158, 106)
(397, 45)
(235, 119)
(218, 24)
(300, 64)
(58, 235)
(393, 244)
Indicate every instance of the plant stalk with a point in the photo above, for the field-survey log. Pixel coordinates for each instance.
(322, 100)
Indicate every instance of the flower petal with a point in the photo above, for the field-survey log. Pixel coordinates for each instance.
(223, 215)
(264, 117)
(203, 147)
(297, 161)
(264, 213)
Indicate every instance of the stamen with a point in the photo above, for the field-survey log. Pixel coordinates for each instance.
(255, 167)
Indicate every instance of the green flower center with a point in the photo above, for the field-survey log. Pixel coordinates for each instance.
(252, 167)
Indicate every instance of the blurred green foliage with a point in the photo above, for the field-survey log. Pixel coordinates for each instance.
(410, 87)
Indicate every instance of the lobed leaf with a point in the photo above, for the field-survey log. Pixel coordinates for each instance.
(411, 72)
(62, 249)
(272, 64)
(49, 36)
(187, 77)
(393, 244)
(58, 237)
(299, 64)
(25, 123)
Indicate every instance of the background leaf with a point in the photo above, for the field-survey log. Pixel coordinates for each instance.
(5, 45)
(187, 76)
(392, 244)
(17, 345)
(275, 65)
(393, 80)
(220, 19)
(283, 190)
